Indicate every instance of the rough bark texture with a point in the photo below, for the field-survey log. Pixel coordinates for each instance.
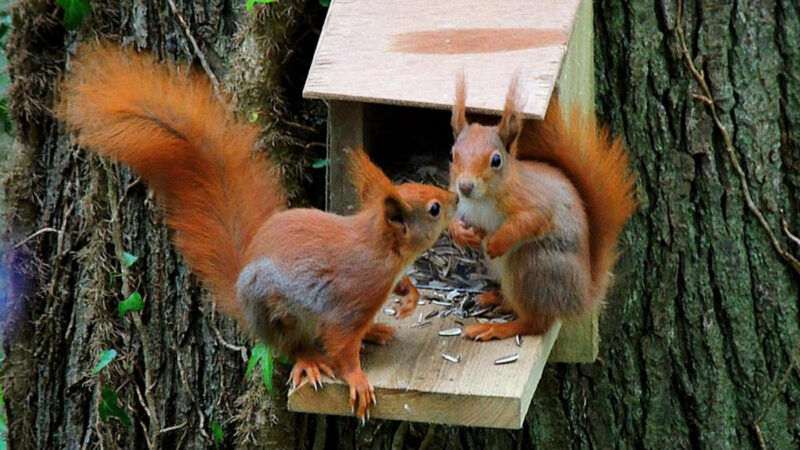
(697, 337)
(178, 369)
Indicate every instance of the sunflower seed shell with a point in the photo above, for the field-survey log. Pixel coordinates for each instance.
(450, 332)
(506, 359)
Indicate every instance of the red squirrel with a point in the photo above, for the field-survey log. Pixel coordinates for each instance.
(546, 201)
(306, 282)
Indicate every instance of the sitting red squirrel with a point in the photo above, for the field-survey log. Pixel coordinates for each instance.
(546, 200)
(297, 278)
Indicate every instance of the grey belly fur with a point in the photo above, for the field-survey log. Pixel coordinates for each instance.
(548, 275)
(291, 322)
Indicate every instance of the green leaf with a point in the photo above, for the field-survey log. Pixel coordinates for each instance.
(325, 3)
(253, 117)
(216, 429)
(105, 358)
(110, 408)
(261, 354)
(74, 12)
(267, 367)
(320, 163)
(132, 303)
(251, 3)
(129, 259)
(255, 356)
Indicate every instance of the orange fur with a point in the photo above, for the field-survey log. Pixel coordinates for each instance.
(597, 166)
(369, 181)
(294, 277)
(547, 202)
(459, 120)
(517, 228)
(409, 296)
(170, 129)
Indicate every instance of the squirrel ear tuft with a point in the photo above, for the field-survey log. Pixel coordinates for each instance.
(369, 180)
(511, 123)
(459, 118)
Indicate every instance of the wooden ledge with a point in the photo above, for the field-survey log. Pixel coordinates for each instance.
(413, 382)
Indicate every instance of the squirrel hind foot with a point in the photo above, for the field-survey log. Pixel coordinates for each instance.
(309, 367)
(519, 326)
(494, 299)
(362, 394)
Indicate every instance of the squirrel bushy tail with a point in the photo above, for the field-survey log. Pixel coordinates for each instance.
(166, 124)
(598, 168)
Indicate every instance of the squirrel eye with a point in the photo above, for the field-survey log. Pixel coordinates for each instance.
(434, 209)
(496, 160)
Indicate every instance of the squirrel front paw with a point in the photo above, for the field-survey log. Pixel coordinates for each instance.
(379, 333)
(466, 235)
(405, 309)
(497, 246)
(362, 394)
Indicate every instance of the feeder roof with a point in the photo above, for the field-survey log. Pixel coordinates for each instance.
(410, 52)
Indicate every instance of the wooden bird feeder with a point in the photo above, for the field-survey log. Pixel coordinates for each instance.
(387, 70)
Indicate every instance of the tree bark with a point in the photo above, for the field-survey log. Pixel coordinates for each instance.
(700, 336)
(180, 366)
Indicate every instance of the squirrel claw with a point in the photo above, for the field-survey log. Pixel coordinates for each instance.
(361, 392)
(309, 368)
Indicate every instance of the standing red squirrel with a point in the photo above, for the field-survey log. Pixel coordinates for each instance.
(306, 282)
(546, 200)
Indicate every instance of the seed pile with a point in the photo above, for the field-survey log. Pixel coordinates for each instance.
(461, 305)
(450, 278)
(444, 266)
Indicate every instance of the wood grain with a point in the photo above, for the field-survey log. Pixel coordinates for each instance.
(346, 130)
(413, 382)
(578, 340)
(357, 57)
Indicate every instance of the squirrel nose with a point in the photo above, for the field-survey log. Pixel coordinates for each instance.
(465, 187)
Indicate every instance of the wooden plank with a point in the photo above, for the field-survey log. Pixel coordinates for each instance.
(346, 130)
(413, 382)
(409, 53)
(576, 80)
(578, 340)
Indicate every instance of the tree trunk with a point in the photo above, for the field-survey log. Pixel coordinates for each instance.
(699, 337)
(180, 367)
